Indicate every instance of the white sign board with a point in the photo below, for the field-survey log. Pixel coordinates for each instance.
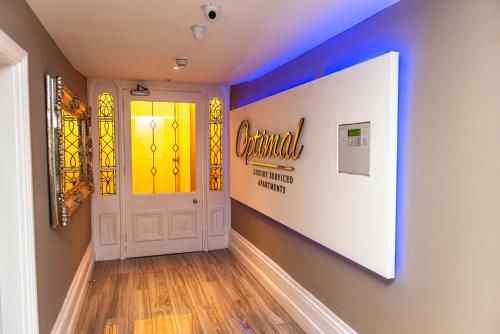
(352, 214)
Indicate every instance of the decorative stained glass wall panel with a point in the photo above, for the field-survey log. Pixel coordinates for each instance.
(215, 145)
(71, 166)
(107, 158)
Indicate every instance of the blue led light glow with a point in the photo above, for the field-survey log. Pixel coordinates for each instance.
(294, 74)
(320, 31)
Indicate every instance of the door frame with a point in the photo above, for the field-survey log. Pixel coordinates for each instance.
(189, 96)
(21, 316)
(108, 225)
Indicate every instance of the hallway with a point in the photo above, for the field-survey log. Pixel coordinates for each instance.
(182, 293)
(250, 167)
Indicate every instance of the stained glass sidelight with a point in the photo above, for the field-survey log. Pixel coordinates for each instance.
(215, 124)
(107, 158)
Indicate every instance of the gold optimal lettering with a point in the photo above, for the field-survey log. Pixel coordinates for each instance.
(243, 126)
(264, 144)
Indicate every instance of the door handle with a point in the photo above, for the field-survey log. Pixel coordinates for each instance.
(195, 201)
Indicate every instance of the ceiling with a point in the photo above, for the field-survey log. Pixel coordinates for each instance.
(140, 39)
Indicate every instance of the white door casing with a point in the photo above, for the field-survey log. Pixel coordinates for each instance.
(218, 202)
(106, 226)
(18, 291)
(109, 229)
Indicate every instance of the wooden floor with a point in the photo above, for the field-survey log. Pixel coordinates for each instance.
(183, 293)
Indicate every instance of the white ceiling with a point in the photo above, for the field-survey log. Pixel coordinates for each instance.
(140, 39)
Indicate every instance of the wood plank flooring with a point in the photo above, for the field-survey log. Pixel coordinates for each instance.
(182, 293)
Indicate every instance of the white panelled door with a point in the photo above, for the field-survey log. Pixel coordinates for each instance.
(163, 180)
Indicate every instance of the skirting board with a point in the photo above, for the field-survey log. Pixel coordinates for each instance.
(309, 313)
(70, 311)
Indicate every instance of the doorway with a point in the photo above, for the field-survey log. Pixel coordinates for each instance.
(160, 167)
(163, 175)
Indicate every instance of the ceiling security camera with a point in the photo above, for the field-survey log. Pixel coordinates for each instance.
(211, 11)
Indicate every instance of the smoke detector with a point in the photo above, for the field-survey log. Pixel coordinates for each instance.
(180, 62)
(198, 31)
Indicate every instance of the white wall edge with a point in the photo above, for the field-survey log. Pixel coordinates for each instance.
(70, 311)
(11, 53)
(309, 313)
(25, 200)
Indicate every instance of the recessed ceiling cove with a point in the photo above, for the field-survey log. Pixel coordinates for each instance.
(141, 39)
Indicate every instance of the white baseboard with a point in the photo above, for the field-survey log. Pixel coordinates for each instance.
(70, 311)
(309, 313)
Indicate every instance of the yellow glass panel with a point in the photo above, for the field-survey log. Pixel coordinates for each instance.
(107, 143)
(106, 105)
(108, 184)
(216, 178)
(215, 108)
(71, 166)
(215, 144)
(163, 144)
(71, 178)
(107, 159)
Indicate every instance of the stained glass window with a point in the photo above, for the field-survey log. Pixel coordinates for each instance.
(163, 147)
(71, 155)
(107, 158)
(215, 124)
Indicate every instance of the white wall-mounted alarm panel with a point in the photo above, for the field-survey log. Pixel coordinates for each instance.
(354, 148)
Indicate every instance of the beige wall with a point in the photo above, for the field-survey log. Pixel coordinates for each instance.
(58, 251)
(448, 272)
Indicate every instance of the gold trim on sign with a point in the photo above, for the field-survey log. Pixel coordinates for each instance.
(262, 164)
